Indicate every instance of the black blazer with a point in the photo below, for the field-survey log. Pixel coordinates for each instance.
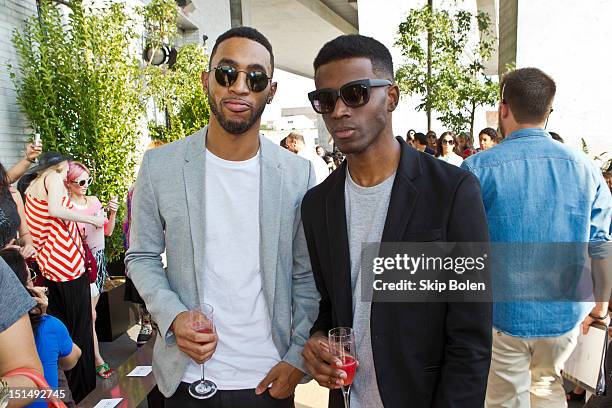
(425, 354)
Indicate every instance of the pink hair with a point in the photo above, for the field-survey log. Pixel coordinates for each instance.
(75, 169)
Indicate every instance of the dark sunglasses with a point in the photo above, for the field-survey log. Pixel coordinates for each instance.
(84, 183)
(354, 94)
(226, 75)
(448, 142)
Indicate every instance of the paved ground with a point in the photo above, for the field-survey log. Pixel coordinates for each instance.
(307, 396)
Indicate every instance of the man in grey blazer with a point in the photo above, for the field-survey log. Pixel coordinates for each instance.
(224, 204)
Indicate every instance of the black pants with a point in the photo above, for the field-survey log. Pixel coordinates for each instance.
(71, 303)
(226, 399)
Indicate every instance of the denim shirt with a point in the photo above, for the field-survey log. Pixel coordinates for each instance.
(537, 190)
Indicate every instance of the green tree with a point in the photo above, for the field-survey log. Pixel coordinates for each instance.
(78, 84)
(457, 85)
(178, 92)
(175, 90)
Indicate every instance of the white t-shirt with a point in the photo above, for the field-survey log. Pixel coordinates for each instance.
(320, 167)
(232, 277)
(452, 158)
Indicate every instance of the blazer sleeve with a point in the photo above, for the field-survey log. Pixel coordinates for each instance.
(143, 258)
(467, 357)
(304, 292)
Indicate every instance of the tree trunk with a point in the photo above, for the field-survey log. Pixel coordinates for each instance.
(429, 41)
(472, 114)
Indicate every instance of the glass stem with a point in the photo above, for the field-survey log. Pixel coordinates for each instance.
(202, 368)
(346, 393)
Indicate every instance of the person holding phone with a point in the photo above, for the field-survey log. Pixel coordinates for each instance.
(33, 150)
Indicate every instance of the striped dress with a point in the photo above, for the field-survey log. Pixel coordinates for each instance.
(57, 242)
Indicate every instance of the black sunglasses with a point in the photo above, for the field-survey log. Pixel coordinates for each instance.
(84, 183)
(448, 142)
(354, 94)
(226, 75)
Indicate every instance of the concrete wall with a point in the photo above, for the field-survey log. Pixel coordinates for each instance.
(13, 124)
(212, 18)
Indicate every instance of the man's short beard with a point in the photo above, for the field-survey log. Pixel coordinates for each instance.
(233, 127)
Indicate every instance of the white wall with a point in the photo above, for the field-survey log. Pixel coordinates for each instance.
(14, 128)
(569, 40)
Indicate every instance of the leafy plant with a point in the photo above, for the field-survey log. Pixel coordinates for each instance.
(160, 22)
(78, 84)
(178, 92)
(457, 85)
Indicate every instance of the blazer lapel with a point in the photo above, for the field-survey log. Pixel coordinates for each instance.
(339, 250)
(403, 194)
(270, 209)
(194, 177)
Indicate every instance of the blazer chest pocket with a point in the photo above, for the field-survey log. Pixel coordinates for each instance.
(423, 236)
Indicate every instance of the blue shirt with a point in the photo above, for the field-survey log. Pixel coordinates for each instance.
(52, 343)
(537, 190)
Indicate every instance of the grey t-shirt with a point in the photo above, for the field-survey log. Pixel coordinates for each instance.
(366, 212)
(14, 299)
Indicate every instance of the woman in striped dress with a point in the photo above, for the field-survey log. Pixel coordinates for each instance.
(52, 222)
(78, 181)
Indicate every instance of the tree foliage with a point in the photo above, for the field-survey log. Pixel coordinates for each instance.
(83, 86)
(77, 83)
(458, 84)
(176, 91)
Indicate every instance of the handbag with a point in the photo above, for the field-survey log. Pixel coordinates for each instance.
(41, 383)
(91, 265)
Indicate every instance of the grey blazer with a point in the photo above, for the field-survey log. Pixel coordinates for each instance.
(168, 215)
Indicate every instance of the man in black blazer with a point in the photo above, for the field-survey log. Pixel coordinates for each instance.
(410, 354)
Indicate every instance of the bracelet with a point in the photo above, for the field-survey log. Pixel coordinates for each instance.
(604, 317)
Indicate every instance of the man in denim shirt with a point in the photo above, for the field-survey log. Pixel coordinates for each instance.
(537, 190)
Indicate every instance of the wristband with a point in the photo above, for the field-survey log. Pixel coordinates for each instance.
(604, 317)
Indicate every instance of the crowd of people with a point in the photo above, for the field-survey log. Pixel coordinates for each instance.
(271, 240)
(49, 228)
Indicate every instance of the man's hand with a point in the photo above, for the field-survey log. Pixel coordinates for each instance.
(198, 346)
(320, 362)
(589, 321)
(33, 151)
(284, 378)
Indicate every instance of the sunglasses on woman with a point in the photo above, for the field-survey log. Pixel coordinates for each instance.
(84, 183)
(354, 94)
(226, 75)
(448, 142)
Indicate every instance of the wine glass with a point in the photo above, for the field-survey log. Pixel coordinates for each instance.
(342, 345)
(201, 320)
